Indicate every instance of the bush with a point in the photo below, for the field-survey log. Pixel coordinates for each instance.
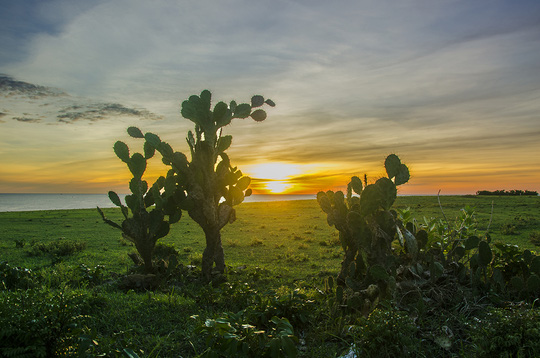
(58, 247)
(232, 336)
(15, 277)
(508, 333)
(534, 238)
(38, 323)
(385, 333)
(508, 229)
(164, 251)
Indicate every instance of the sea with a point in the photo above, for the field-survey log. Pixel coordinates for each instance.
(36, 202)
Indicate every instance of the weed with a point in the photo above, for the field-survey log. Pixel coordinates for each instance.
(165, 251)
(59, 247)
(256, 242)
(509, 229)
(534, 238)
(508, 333)
(231, 335)
(19, 243)
(385, 333)
(195, 259)
(301, 257)
(15, 277)
(39, 323)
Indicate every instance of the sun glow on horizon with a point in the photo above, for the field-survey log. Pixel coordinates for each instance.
(273, 178)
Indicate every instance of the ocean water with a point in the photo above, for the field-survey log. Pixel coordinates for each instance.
(35, 202)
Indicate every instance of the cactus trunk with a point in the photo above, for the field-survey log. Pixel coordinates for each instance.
(213, 253)
(348, 258)
(145, 249)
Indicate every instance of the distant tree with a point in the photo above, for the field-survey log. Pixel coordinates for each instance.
(507, 193)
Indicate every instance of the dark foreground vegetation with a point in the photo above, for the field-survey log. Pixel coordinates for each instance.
(69, 288)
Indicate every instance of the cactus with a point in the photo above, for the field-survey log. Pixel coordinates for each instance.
(149, 206)
(212, 185)
(367, 227)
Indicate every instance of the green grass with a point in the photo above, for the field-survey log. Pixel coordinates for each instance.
(272, 249)
(291, 237)
(521, 212)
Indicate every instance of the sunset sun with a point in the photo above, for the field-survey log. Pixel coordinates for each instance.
(273, 178)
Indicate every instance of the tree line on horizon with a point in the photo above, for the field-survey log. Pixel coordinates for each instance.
(508, 192)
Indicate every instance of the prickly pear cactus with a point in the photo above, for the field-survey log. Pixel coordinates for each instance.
(212, 185)
(367, 227)
(147, 208)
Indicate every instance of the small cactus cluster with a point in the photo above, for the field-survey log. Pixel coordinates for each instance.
(367, 227)
(152, 208)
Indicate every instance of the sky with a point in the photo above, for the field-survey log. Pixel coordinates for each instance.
(451, 86)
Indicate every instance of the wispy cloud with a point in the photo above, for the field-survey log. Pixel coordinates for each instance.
(53, 105)
(100, 111)
(27, 120)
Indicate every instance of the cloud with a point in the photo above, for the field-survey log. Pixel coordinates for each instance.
(32, 103)
(27, 120)
(10, 87)
(100, 111)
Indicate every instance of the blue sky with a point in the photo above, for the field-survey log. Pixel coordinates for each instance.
(453, 87)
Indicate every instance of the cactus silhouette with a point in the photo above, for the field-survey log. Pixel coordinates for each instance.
(367, 228)
(149, 206)
(211, 184)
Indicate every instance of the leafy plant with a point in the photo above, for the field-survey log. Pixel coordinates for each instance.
(293, 305)
(38, 323)
(93, 276)
(231, 336)
(459, 251)
(15, 277)
(213, 186)
(385, 333)
(508, 333)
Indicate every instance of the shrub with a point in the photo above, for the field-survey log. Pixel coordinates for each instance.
(508, 229)
(256, 242)
(15, 277)
(534, 238)
(19, 243)
(508, 333)
(385, 333)
(165, 251)
(233, 336)
(59, 247)
(39, 323)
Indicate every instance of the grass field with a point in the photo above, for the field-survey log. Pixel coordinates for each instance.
(273, 250)
(290, 236)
